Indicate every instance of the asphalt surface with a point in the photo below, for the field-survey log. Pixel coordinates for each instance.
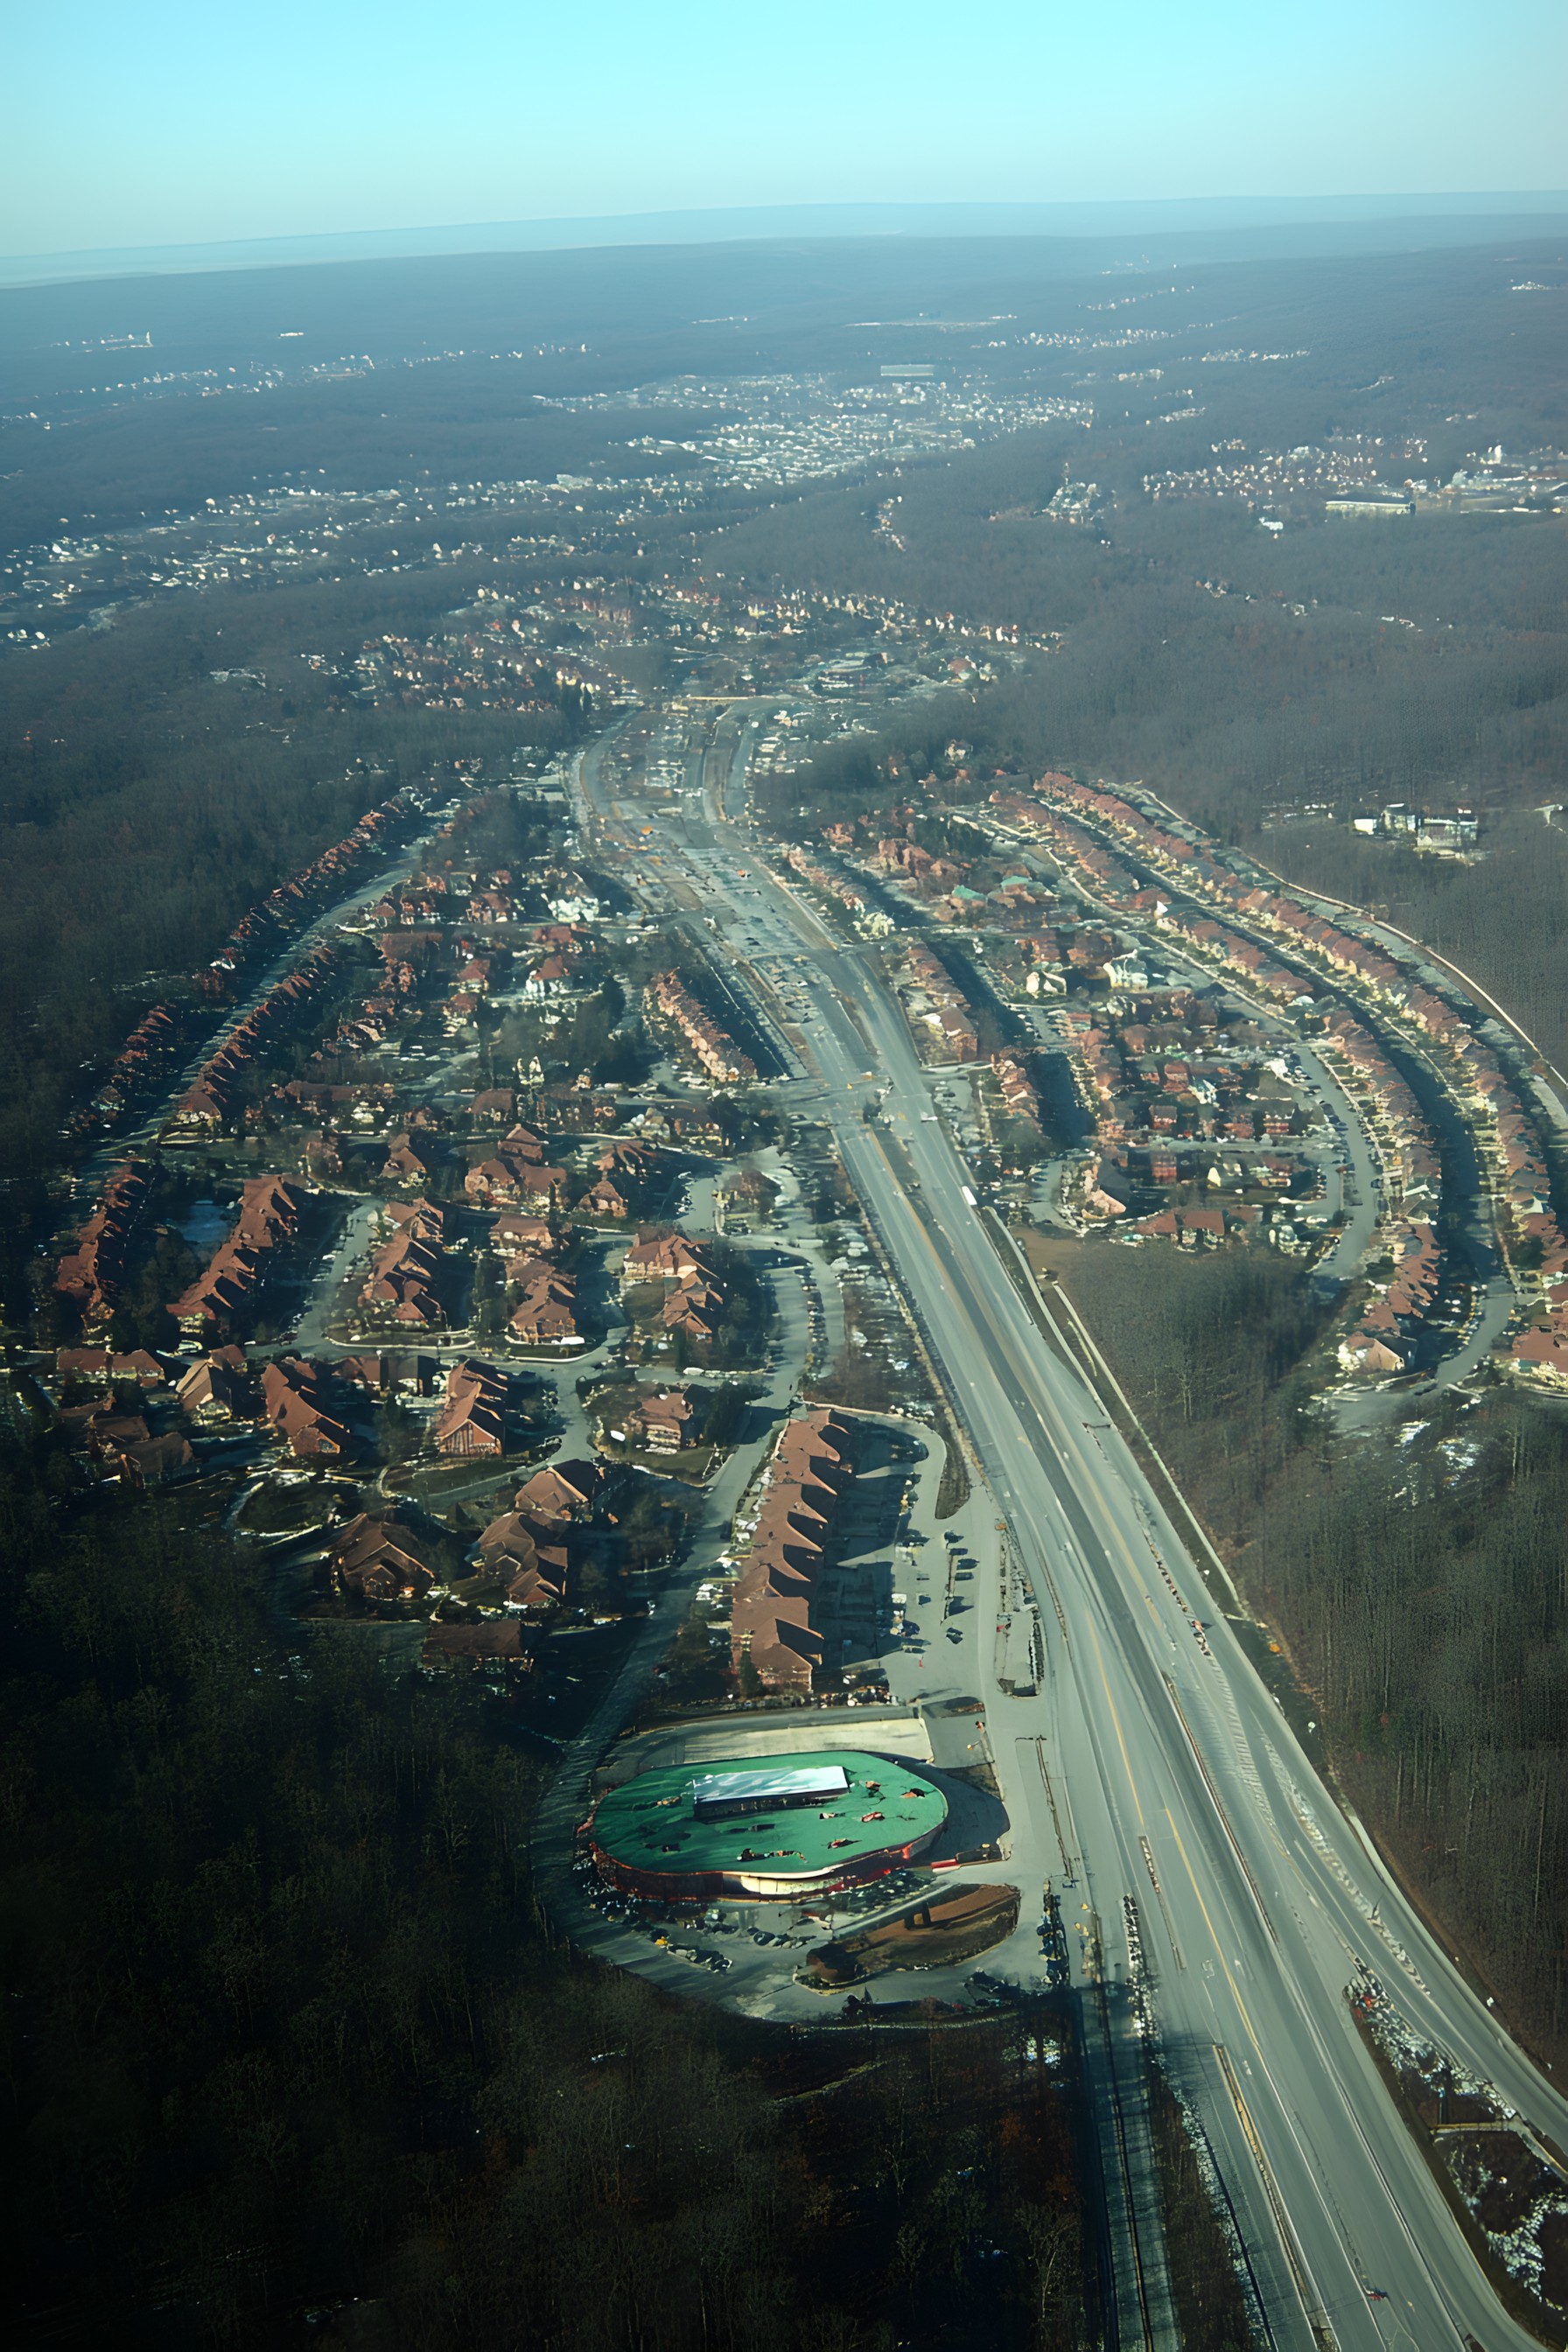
(1174, 1779)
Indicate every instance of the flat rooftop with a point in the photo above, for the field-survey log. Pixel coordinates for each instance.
(756, 1788)
(650, 1823)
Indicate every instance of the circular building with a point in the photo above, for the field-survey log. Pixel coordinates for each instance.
(765, 1827)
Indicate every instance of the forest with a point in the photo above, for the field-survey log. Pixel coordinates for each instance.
(289, 2053)
(1297, 681)
(1419, 1591)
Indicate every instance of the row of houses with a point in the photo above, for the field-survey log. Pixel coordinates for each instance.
(285, 908)
(1507, 1132)
(714, 1051)
(146, 1056)
(1020, 1094)
(841, 890)
(213, 1102)
(90, 1273)
(776, 1630)
(1382, 1337)
(936, 1008)
(403, 1281)
(225, 1293)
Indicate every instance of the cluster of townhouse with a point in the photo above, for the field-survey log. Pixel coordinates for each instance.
(223, 1295)
(475, 1412)
(744, 1201)
(620, 1171)
(405, 1278)
(307, 1405)
(1020, 1094)
(147, 1055)
(936, 1008)
(299, 1406)
(957, 888)
(477, 974)
(882, 844)
(114, 1430)
(713, 1050)
(516, 1171)
(1164, 1070)
(366, 1027)
(90, 1273)
(530, 1551)
(661, 1420)
(413, 1154)
(546, 1311)
(1503, 1129)
(691, 1299)
(777, 1625)
(474, 669)
(551, 971)
(214, 1100)
(840, 889)
(392, 1554)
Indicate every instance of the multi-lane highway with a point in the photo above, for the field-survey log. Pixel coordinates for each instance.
(1171, 1777)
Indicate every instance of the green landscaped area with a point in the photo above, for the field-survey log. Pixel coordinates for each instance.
(649, 1825)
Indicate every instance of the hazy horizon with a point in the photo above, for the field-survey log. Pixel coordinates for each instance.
(172, 128)
(1485, 211)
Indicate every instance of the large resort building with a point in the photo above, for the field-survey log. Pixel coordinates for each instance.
(764, 1829)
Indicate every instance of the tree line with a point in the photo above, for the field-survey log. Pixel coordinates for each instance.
(284, 2033)
(1420, 1590)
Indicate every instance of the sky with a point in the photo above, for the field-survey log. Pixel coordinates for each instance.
(177, 121)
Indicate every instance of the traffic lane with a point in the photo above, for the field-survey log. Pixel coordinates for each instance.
(1279, 1767)
(1123, 1793)
(1307, 2095)
(1113, 1817)
(847, 1047)
(1265, 1725)
(1232, 1974)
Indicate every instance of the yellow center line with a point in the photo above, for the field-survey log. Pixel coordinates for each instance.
(1115, 1724)
(1219, 1948)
